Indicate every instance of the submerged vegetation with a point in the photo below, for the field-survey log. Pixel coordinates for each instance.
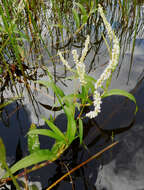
(31, 30)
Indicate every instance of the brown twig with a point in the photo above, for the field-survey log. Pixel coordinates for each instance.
(82, 164)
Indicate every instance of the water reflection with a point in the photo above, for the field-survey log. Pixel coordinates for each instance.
(50, 37)
(117, 113)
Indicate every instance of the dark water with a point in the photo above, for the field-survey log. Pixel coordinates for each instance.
(121, 168)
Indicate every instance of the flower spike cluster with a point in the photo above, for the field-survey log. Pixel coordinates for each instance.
(64, 61)
(97, 105)
(106, 23)
(80, 66)
(108, 70)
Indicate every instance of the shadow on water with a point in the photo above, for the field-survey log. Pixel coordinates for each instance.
(118, 169)
(14, 125)
(116, 122)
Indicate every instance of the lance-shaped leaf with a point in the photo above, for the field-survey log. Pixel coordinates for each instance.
(53, 133)
(33, 140)
(71, 124)
(2, 152)
(46, 132)
(55, 129)
(76, 18)
(34, 158)
(80, 130)
(84, 13)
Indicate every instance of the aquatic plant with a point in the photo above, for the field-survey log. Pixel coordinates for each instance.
(80, 99)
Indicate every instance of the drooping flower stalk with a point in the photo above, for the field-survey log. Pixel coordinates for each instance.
(64, 61)
(109, 69)
(80, 66)
(85, 50)
(97, 105)
(106, 23)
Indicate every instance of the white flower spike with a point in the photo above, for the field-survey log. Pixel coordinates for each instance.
(109, 69)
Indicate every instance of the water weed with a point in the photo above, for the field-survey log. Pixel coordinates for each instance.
(14, 38)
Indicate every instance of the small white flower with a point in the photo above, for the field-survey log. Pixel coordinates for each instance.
(115, 52)
(64, 61)
(85, 50)
(108, 70)
(75, 57)
(97, 106)
(107, 25)
(80, 66)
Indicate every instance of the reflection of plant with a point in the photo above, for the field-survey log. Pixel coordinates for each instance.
(80, 99)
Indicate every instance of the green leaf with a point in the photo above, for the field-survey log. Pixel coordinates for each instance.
(58, 148)
(1, 70)
(69, 99)
(58, 91)
(83, 10)
(34, 158)
(84, 94)
(84, 19)
(33, 187)
(71, 129)
(90, 83)
(80, 130)
(71, 124)
(121, 93)
(33, 140)
(76, 18)
(55, 129)
(2, 152)
(45, 132)
(90, 79)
